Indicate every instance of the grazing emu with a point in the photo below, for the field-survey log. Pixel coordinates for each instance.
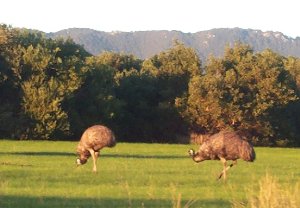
(92, 141)
(225, 145)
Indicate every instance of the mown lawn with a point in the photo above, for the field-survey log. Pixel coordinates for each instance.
(44, 174)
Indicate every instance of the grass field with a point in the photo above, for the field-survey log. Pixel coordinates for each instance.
(44, 174)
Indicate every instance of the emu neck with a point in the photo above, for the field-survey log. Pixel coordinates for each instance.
(197, 157)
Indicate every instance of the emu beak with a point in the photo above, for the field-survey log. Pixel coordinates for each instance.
(78, 162)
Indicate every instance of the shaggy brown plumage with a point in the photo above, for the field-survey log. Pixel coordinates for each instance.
(196, 138)
(92, 141)
(225, 145)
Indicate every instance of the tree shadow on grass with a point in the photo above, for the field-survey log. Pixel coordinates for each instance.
(9, 201)
(39, 153)
(136, 156)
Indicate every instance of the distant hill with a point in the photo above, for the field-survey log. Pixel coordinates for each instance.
(145, 44)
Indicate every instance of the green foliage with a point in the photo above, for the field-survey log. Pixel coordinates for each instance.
(172, 70)
(243, 91)
(43, 93)
(119, 61)
(54, 89)
(95, 101)
(10, 99)
(39, 77)
(4, 35)
(140, 111)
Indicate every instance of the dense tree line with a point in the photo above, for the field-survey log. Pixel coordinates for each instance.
(54, 89)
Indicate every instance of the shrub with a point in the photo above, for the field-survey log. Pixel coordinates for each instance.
(272, 195)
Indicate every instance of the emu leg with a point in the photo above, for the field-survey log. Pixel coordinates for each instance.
(97, 154)
(223, 173)
(94, 156)
(226, 168)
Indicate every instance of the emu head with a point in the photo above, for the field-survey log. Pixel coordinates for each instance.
(191, 152)
(83, 157)
(80, 161)
(195, 155)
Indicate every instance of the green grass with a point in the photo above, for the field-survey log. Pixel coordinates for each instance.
(44, 174)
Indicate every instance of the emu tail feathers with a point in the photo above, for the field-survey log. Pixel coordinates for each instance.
(112, 142)
(248, 153)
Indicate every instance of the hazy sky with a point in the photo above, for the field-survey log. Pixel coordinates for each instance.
(137, 15)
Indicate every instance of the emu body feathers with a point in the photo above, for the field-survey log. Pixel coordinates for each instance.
(225, 145)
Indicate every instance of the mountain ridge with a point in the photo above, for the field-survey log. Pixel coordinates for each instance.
(145, 44)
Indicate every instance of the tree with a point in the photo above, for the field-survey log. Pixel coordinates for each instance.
(95, 101)
(43, 94)
(242, 91)
(137, 91)
(292, 64)
(292, 111)
(10, 116)
(119, 61)
(173, 69)
(38, 74)
(277, 91)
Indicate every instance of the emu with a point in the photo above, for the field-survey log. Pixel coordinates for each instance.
(92, 141)
(223, 146)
